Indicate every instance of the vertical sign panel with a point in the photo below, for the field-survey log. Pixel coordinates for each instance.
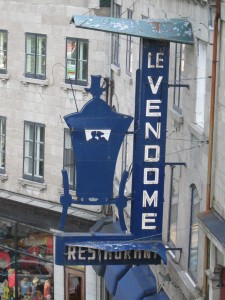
(150, 140)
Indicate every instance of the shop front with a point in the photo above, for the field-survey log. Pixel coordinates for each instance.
(27, 269)
(26, 262)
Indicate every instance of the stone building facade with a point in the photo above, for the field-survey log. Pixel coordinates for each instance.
(37, 68)
(193, 196)
(45, 65)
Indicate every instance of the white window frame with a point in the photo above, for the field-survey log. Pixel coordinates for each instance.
(33, 160)
(3, 51)
(68, 159)
(193, 234)
(78, 60)
(201, 84)
(2, 143)
(129, 54)
(173, 206)
(35, 62)
(116, 37)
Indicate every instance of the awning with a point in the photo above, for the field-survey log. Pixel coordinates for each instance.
(214, 228)
(173, 30)
(108, 226)
(113, 274)
(160, 296)
(138, 283)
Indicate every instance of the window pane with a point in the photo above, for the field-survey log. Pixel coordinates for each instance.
(34, 277)
(74, 287)
(82, 70)
(35, 242)
(3, 50)
(30, 64)
(41, 45)
(71, 49)
(77, 60)
(201, 83)
(30, 44)
(39, 151)
(39, 133)
(38, 168)
(71, 69)
(7, 233)
(40, 65)
(36, 55)
(29, 149)
(40, 59)
(2, 142)
(82, 61)
(83, 50)
(34, 151)
(28, 166)
(194, 230)
(174, 197)
(68, 161)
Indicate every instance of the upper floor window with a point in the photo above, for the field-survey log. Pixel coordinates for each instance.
(194, 230)
(68, 159)
(173, 208)
(129, 57)
(178, 61)
(2, 143)
(201, 84)
(76, 61)
(35, 65)
(3, 51)
(115, 36)
(33, 167)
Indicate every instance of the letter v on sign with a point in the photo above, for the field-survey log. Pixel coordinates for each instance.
(154, 88)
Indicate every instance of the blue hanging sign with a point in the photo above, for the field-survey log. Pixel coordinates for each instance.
(150, 140)
(97, 133)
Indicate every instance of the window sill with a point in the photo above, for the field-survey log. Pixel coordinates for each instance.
(67, 87)
(4, 77)
(115, 69)
(37, 185)
(178, 117)
(26, 80)
(3, 177)
(184, 281)
(129, 78)
(197, 131)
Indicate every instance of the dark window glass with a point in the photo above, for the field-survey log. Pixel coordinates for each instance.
(35, 66)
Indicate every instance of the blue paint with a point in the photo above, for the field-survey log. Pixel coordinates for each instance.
(97, 134)
(174, 30)
(148, 167)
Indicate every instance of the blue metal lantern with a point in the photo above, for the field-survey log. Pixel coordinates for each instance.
(97, 134)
